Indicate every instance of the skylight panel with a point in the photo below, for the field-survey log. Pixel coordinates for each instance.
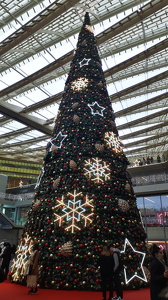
(49, 112)
(11, 77)
(35, 133)
(37, 145)
(55, 87)
(5, 130)
(14, 125)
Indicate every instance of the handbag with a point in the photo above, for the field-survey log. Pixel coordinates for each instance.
(31, 281)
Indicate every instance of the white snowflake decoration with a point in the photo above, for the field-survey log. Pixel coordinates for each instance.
(73, 208)
(113, 141)
(22, 253)
(97, 170)
(89, 28)
(79, 84)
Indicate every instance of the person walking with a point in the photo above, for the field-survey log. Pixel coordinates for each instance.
(158, 272)
(33, 273)
(106, 263)
(117, 269)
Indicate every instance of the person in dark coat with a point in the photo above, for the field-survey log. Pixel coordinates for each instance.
(117, 270)
(106, 269)
(6, 257)
(158, 272)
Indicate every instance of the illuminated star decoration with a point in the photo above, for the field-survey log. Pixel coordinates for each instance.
(127, 280)
(79, 84)
(39, 177)
(58, 140)
(96, 109)
(20, 264)
(84, 62)
(72, 209)
(113, 141)
(97, 170)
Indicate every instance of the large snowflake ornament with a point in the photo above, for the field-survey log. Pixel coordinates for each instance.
(19, 267)
(73, 210)
(113, 141)
(97, 170)
(79, 84)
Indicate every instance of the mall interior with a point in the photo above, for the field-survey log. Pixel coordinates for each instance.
(38, 41)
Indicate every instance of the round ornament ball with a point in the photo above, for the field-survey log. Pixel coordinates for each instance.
(72, 164)
(75, 105)
(66, 249)
(99, 147)
(36, 205)
(56, 182)
(54, 148)
(76, 119)
(124, 206)
(128, 187)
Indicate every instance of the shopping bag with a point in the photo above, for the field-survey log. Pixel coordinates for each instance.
(31, 281)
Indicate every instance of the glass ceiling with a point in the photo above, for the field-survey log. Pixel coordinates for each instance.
(37, 42)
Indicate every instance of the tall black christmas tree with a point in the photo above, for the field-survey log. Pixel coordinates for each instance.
(84, 196)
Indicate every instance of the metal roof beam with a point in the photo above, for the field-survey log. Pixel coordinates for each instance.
(150, 146)
(135, 107)
(143, 119)
(14, 112)
(145, 83)
(137, 58)
(33, 26)
(145, 140)
(143, 131)
(134, 18)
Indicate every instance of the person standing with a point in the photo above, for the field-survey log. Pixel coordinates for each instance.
(158, 272)
(33, 270)
(106, 269)
(117, 269)
(5, 255)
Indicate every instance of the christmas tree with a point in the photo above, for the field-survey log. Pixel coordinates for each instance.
(84, 196)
